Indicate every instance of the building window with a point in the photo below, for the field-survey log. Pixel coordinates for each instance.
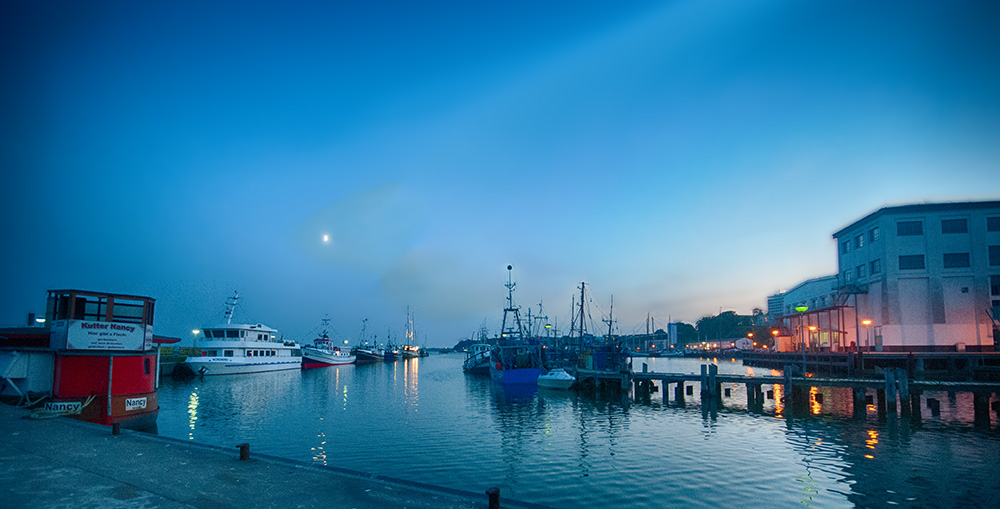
(911, 262)
(227, 353)
(994, 256)
(859, 241)
(906, 228)
(956, 260)
(954, 226)
(875, 266)
(993, 224)
(995, 290)
(873, 235)
(845, 246)
(861, 272)
(848, 276)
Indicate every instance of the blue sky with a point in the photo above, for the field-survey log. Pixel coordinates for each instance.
(684, 156)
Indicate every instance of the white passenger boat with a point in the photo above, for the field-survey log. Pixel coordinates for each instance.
(322, 353)
(556, 379)
(230, 349)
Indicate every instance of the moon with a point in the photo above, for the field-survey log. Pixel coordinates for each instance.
(326, 237)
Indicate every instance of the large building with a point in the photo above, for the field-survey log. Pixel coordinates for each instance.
(915, 278)
(927, 275)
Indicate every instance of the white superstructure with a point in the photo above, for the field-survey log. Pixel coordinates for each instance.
(229, 349)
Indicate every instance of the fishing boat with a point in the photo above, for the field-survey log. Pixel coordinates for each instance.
(229, 349)
(556, 378)
(322, 353)
(515, 359)
(477, 359)
(367, 352)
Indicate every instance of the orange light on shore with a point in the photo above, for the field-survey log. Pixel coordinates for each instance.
(866, 322)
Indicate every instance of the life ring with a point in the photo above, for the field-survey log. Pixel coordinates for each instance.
(499, 366)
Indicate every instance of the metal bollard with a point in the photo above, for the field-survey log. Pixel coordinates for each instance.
(116, 428)
(494, 494)
(244, 452)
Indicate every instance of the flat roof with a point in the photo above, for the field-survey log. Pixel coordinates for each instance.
(921, 207)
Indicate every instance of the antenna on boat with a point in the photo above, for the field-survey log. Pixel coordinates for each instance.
(326, 325)
(231, 307)
(519, 332)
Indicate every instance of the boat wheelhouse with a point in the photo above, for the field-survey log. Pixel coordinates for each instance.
(92, 358)
(229, 349)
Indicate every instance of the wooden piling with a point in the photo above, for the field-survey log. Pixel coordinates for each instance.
(904, 392)
(981, 409)
(880, 402)
(915, 415)
(890, 390)
(751, 401)
(679, 394)
(706, 393)
(860, 402)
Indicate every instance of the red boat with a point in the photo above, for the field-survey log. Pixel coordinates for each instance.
(91, 358)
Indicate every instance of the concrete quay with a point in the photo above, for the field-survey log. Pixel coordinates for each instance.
(67, 463)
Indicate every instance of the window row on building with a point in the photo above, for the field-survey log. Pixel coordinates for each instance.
(918, 262)
(914, 228)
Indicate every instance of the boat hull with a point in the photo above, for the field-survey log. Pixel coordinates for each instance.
(515, 376)
(315, 359)
(210, 366)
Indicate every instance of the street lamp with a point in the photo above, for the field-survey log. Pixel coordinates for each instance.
(866, 323)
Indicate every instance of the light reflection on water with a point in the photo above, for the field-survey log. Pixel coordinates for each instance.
(424, 420)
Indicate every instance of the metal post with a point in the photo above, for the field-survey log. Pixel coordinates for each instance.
(494, 494)
(111, 370)
(244, 452)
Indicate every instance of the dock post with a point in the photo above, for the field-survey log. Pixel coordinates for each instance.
(704, 383)
(880, 403)
(751, 399)
(904, 393)
(116, 428)
(890, 390)
(918, 368)
(494, 494)
(244, 452)
(915, 405)
(679, 394)
(935, 405)
(860, 402)
(981, 409)
(788, 388)
(714, 386)
(758, 398)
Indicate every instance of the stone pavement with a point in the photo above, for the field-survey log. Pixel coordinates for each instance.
(67, 463)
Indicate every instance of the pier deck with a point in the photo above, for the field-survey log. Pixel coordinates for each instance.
(67, 463)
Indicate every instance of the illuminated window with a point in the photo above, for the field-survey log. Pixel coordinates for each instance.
(859, 241)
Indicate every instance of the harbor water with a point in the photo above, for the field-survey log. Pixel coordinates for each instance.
(425, 420)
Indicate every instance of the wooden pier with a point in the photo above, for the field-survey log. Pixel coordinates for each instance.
(894, 392)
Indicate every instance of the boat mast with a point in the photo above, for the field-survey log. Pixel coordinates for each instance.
(231, 307)
(515, 328)
(611, 316)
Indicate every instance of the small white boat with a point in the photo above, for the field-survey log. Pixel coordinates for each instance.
(556, 379)
(322, 353)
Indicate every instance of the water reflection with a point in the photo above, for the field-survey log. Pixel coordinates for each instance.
(569, 450)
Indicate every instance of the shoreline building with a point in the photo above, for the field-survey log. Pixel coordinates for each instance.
(911, 278)
(927, 276)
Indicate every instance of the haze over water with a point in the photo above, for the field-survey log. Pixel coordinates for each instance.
(424, 420)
